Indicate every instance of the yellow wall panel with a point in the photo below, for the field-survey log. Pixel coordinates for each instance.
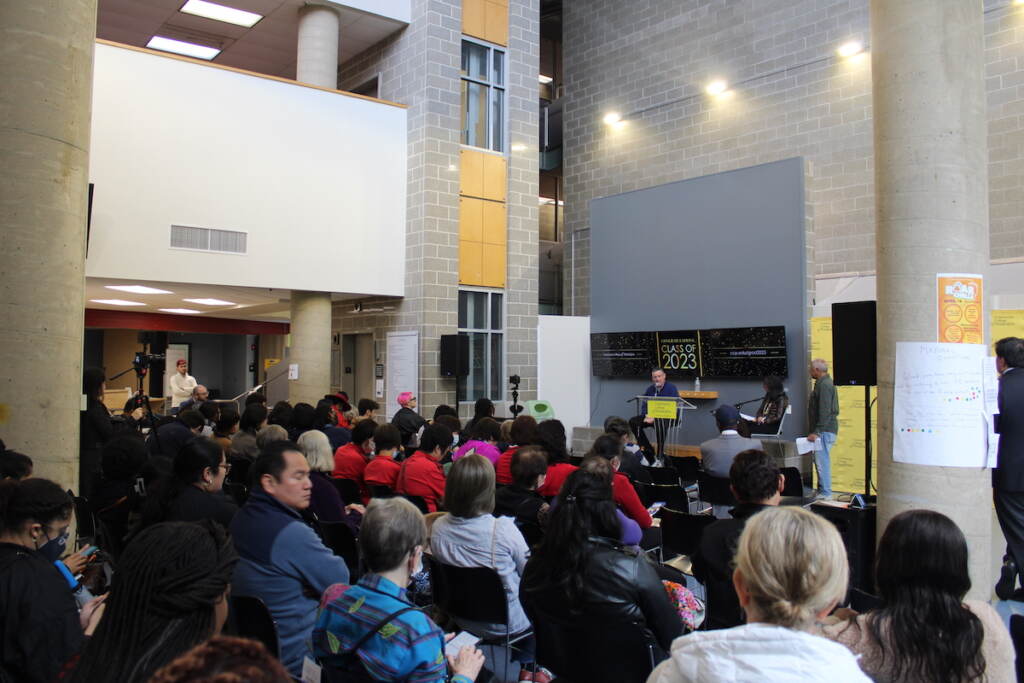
(471, 219)
(471, 263)
(471, 173)
(494, 223)
(495, 176)
(496, 22)
(494, 257)
(474, 18)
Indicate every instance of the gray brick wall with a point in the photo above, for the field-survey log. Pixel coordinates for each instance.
(800, 101)
(419, 67)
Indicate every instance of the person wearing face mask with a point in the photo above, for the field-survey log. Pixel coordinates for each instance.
(40, 625)
(350, 460)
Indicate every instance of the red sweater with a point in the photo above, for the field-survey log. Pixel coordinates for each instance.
(557, 474)
(625, 497)
(381, 471)
(350, 463)
(422, 476)
(503, 468)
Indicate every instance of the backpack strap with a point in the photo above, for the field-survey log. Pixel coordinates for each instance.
(376, 627)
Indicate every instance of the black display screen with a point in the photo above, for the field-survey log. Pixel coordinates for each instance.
(622, 354)
(743, 352)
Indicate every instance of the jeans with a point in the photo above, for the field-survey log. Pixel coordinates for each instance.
(823, 462)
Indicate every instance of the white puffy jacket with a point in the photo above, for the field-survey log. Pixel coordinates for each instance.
(757, 652)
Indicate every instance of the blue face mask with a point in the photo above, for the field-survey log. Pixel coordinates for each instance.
(54, 547)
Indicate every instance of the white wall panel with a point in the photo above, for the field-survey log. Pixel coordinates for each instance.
(563, 368)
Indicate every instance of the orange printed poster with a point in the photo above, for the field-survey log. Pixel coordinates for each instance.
(960, 308)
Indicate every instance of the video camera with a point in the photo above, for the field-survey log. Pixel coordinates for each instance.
(142, 361)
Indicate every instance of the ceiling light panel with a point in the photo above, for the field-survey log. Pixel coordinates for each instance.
(181, 311)
(211, 302)
(180, 47)
(117, 302)
(138, 289)
(230, 15)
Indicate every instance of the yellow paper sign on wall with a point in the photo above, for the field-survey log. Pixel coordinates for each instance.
(959, 315)
(661, 409)
(270, 362)
(1006, 323)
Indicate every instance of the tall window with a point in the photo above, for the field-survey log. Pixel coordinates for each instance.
(482, 319)
(483, 96)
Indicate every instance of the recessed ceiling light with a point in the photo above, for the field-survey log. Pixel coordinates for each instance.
(210, 10)
(182, 311)
(211, 302)
(138, 289)
(854, 47)
(545, 79)
(612, 117)
(716, 87)
(180, 47)
(117, 302)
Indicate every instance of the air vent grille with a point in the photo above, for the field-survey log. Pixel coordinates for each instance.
(208, 239)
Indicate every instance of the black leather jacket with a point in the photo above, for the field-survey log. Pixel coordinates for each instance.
(408, 423)
(620, 583)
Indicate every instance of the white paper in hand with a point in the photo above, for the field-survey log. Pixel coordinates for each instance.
(452, 647)
(804, 445)
(310, 671)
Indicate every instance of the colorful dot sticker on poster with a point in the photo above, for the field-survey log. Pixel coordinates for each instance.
(959, 308)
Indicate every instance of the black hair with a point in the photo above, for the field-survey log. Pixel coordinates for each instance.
(257, 398)
(449, 421)
(774, 386)
(191, 418)
(528, 463)
(1011, 350)
(365, 405)
(227, 420)
(486, 429)
(191, 461)
(270, 461)
(616, 425)
(445, 409)
(161, 601)
(754, 475)
(92, 381)
(585, 508)
(123, 457)
(15, 465)
(923, 629)
(551, 437)
(484, 407)
(32, 500)
(435, 435)
(365, 429)
(281, 414)
(209, 410)
(524, 430)
(252, 417)
(385, 437)
(304, 417)
(607, 446)
(324, 414)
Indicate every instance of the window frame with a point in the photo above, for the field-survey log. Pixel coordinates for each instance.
(492, 89)
(463, 384)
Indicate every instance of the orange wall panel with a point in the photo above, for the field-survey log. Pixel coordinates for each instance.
(471, 173)
(495, 177)
(474, 18)
(494, 258)
(494, 223)
(471, 263)
(496, 22)
(471, 219)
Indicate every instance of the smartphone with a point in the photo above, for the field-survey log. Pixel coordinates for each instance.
(89, 550)
(452, 647)
(653, 510)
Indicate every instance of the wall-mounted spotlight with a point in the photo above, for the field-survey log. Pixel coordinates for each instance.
(716, 87)
(612, 117)
(850, 49)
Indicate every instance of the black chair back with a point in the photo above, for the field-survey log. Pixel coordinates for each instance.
(576, 460)
(85, 519)
(348, 489)
(418, 501)
(472, 593)
(794, 485)
(238, 492)
(671, 494)
(681, 532)
(663, 475)
(1017, 635)
(239, 470)
(687, 467)
(253, 620)
(339, 538)
(380, 491)
(715, 490)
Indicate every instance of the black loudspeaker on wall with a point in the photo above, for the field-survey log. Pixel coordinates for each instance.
(857, 528)
(454, 355)
(854, 343)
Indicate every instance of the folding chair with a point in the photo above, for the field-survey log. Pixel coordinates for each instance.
(663, 475)
(253, 620)
(348, 489)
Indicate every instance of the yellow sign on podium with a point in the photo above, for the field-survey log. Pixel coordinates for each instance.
(665, 410)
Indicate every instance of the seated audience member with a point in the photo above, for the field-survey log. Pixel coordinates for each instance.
(483, 440)
(421, 474)
(243, 442)
(629, 463)
(483, 407)
(224, 659)
(348, 635)
(716, 454)
(211, 413)
(551, 437)
(95, 428)
(769, 414)
(408, 421)
(200, 395)
(116, 495)
(522, 433)
(609, 447)
(303, 419)
(453, 425)
(326, 421)
(270, 434)
(225, 428)
(282, 559)
(924, 629)
(41, 627)
(757, 484)
(382, 470)
(281, 414)
(169, 593)
(520, 500)
(342, 409)
(367, 410)
(791, 568)
(257, 397)
(632, 534)
(14, 465)
(325, 502)
(351, 459)
(168, 439)
(505, 435)
(470, 536)
(581, 572)
(194, 491)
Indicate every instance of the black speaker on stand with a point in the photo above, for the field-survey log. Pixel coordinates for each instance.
(455, 359)
(856, 526)
(855, 361)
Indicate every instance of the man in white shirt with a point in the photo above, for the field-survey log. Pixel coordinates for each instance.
(181, 383)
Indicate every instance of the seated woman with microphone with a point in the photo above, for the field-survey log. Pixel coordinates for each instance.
(773, 407)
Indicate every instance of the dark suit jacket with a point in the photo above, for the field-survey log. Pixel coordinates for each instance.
(1008, 474)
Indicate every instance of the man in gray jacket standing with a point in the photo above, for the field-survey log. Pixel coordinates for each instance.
(823, 423)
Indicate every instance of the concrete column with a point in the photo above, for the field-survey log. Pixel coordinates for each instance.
(45, 110)
(931, 187)
(317, 58)
(310, 346)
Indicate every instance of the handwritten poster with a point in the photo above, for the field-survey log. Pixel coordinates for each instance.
(939, 405)
(990, 386)
(403, 368)
(960, 311)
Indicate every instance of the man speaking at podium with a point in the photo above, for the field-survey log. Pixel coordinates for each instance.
(640, 423)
